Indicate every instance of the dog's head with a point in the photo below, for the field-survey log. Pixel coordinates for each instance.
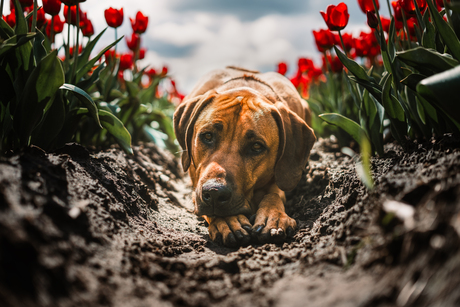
(235, 142)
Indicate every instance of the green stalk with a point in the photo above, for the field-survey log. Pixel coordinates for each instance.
(449, 17)
(409, 39)
(34, 17)
(75, 57)
(67, 49)
(389, 8)
(343, 45)
(52, 30)
(1, 8)
(329, 69)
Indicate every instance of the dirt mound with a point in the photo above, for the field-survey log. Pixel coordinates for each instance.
(99, 228)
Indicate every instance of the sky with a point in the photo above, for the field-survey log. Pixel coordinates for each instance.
(192, 37)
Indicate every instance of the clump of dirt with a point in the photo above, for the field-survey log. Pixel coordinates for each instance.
(80, 227)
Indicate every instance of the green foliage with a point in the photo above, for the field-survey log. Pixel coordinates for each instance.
(47, 102)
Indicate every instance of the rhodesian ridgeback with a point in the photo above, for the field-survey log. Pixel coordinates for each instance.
(246, 139)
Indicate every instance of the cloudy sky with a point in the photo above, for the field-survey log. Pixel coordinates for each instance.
(192, 37)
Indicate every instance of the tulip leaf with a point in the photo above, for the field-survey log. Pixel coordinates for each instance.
(443, 89)
(412, 80)
(447, 33)
(84, 56)
(429, 36)
(39, 49)
(89, 65)
(15, 41)
(116, 128)
(85, 99)
(21, 23)
(391, 104)
(37, 95)
(422, 59)
(356, 69)
(430, 110)
(5, 30)
(87, 83)
(350, 126)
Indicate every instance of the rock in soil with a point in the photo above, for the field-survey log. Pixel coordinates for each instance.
(99, 228)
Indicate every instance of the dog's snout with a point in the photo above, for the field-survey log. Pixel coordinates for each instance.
(216, 193)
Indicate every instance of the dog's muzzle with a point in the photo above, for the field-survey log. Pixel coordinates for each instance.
(215, 198)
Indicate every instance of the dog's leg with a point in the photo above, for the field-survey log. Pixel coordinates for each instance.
(231, 230)
(272, 224)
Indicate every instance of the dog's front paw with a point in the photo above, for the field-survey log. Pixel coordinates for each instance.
(230, 231)
(273, 226)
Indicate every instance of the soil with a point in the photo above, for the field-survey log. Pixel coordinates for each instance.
(80, 227)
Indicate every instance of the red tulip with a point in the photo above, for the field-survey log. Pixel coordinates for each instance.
(397, 10)
(52, 7)
(58, 25)
(72, 2)
(336, 17)
(73, 15)
(87, 30)
(409, 6)
(41, 19)
(368, 5)
(151, 73)
(385, 23)
(71, 50)
(164, 71)
(11, 18)
(304, 65)
(114, 17)
(110, 55)
(372, 20)
(324, 40)
(139, 25)
(126, 61)
(25, 3)
(142, 52)
(334, 63)
(282, 68)
(134, 42)
(347, 41)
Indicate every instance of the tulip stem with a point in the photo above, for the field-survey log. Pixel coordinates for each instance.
(1, 8)
(34, 17)
(409, 38)
(343, 45)
(52, 30)
(449, 20)
(331, 75)
(389, 7)
(75, 52)
(67, 49)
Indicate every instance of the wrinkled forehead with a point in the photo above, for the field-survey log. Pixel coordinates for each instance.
(242, 109)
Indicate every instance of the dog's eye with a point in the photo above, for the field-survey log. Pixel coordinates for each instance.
(207, 137)
(257, 148)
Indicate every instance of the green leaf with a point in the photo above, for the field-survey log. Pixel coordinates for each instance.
(446, 32)
(350, 126)
(21, 23)
(15, 41)
(85, 99)
(352, 66)
(87, 83)
(37, 95)
(89, 64)
(422, 58)
(5, 30)
(84, 56)
(430, 110)
(429, 35)
(116, 128)
(391, 105)
(412, 80)
(133, 89)
(443, 88)
(39, 49)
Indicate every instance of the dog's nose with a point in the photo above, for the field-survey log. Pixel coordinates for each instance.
(215, 193)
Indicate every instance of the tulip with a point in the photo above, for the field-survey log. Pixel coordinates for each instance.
(151, 72)
(409, 7)
(336, 17)
(72, 2)
(56, 23)
(52, 7)
(114, 17)
(110, 55)
(397, 10)
(372, 20)
(385, 23)
(335, 64)
(282, 68)
(164, 71)
(134, 42)
(71, 50)
(142, 52)
(87, 30)
(126, 61)
(347, 41)
(26, 3)
(73, 15)
(11, 18)
(139, 25)
(368, 5)
(324, 39)
(41, 19)
(304, 65)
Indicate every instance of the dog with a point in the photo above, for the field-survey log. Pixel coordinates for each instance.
(246, 138)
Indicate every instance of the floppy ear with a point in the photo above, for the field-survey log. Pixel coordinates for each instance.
(296, 140)
(184, 119)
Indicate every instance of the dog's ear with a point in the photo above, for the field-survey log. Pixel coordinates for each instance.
(296, 139)
(184, 119)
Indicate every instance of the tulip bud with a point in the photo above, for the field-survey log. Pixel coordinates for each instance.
(372, 20)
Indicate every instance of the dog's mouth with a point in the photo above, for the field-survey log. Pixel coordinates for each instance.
(241, 206)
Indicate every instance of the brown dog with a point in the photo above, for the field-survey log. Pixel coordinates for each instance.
(245, 138)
